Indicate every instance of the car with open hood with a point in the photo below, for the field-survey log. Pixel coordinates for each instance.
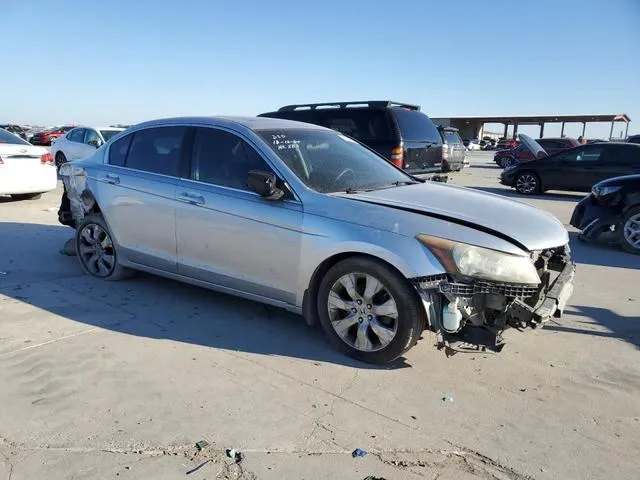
(305, 218)
(576, 169)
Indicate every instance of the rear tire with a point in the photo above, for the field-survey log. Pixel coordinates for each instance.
(96, 250)
(628, 231)
(26, 196)
(374, 327)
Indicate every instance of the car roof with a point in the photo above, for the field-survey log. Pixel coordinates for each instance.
(252, 123)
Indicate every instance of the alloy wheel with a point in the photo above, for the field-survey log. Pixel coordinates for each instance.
(95, 249)
(631, 231)
(363, 312)
(526, 183)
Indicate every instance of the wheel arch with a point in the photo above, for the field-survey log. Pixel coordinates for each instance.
(310, 300)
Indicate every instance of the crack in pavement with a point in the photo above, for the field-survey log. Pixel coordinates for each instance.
(48, 342)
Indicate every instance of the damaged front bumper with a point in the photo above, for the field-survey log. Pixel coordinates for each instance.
(474, 313)
(592, 217)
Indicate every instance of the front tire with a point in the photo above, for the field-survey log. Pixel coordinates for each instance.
(527, 183)
(629, 231)
(97, 251)
(26, 196)
(368, 311)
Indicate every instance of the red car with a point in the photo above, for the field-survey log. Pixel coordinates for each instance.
(47, 136)
(506, 158)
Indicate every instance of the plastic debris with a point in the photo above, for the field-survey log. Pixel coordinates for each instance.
(358, 453)
(201, 445)
(447, 398)
(232, 453)
(371, 477)
(198, 467)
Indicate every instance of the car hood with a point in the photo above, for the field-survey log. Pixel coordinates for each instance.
(631, 180)
(521, 224)
(533, 146)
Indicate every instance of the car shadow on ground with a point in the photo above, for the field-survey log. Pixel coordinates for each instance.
(618, 326)
(604, 251)
(153, 307)
(509, 192)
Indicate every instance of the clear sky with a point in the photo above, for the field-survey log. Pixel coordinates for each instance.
(125, 61)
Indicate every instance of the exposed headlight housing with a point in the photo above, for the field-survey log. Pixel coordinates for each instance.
(462, 259)
(602, 191)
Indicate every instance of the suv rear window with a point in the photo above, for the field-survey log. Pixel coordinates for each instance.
(416, 126)
(450, 137)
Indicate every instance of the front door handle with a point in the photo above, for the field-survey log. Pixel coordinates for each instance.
(193, 198)
(112, 179)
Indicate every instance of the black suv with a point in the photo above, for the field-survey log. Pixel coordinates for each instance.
(399, 132)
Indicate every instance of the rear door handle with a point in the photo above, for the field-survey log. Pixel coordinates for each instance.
(193, 198)
(112, 179)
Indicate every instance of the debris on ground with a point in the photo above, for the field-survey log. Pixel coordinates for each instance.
(371, 477)
(201, 445)
(358, 453)
(234, 454)
(198, 467)
(69, 248)
(447, 398)
(523, 389)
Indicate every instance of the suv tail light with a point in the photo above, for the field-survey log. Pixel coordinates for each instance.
(397, 156)
(46, 159)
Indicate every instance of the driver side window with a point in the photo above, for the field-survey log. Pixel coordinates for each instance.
(224, 159)
(582, 155)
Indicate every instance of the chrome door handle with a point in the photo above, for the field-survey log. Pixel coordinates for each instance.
(112, 179)
(193, 198)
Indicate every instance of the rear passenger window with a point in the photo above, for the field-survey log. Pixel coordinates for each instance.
(222, 158)
(156, 150)
(76, 135)
(118, 151)
(416, 126)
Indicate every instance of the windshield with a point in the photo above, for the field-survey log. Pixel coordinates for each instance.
(109, 134)
(7, 137)
(330, 162)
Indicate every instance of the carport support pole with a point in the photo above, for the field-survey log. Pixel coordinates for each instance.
(541, 130)
(506, 129)
(562, 131)
(515, 130)
(611, 131)
(626, 131)
(584, 126)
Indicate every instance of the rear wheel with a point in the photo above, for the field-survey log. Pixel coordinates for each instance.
(96, 250)
(26, 196)
(368, 311)
(60, 159)
(527, 183)
(629, 231)
(509, 161)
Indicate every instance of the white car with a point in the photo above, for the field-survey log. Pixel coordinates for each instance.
(474, 144)
(26, 171)
(80, 143)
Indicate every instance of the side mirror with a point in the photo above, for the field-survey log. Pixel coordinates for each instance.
(94, 143)
(264, 184)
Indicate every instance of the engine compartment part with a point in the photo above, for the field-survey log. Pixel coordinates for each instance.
(473, 314)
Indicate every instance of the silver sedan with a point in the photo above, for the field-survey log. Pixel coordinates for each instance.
(307, 219)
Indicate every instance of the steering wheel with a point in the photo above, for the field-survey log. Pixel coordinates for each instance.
(344, 172)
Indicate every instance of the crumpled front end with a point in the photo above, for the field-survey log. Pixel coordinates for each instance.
(76, 199)
(473, 313)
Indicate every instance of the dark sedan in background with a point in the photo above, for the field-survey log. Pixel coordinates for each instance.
(577, 169)
(612, 203)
